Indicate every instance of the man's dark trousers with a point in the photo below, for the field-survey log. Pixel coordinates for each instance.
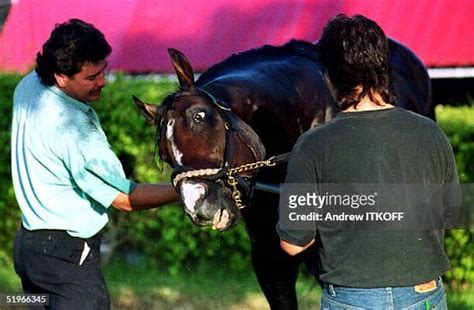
(48, 262)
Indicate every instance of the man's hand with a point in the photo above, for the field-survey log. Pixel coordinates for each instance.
(294, 249)
(145, 196)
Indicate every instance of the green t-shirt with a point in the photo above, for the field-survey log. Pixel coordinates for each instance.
(65, 174)
(380, 146)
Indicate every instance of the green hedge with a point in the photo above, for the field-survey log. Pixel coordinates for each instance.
(458, 124)
(164, 237)
(9, 213)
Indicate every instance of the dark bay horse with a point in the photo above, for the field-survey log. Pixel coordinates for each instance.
(251, 105)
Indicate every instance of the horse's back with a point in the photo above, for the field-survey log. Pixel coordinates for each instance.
(411, 81)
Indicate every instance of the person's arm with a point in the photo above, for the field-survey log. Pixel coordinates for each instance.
(145, 196)
(295, 237)
(292, 249)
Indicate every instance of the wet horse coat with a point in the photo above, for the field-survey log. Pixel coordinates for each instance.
(254, 104)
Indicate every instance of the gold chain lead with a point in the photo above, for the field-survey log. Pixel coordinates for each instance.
(230, 176)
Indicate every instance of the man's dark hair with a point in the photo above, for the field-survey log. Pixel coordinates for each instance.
(70, 45)
(354, 52)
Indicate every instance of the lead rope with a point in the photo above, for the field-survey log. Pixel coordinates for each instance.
(246, 167)
(235, 192)
(272, 161)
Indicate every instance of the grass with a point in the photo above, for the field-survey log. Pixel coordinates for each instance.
(9, 282)
(203, 287)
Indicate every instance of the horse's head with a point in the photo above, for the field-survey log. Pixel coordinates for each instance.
(201, 138)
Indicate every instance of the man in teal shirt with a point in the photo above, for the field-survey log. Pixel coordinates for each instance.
(65, 174)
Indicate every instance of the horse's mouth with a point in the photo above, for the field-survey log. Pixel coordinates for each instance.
(221, 220)
(201, 200)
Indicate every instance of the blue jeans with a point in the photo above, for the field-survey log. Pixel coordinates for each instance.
(338, 297)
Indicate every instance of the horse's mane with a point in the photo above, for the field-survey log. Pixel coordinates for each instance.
(238, 61)
(264, 53)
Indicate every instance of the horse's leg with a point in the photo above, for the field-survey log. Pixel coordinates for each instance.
(276, 271)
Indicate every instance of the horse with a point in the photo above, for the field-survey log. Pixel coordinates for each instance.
(217, 131)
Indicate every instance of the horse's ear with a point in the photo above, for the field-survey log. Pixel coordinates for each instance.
(183, 68)
(148, 110)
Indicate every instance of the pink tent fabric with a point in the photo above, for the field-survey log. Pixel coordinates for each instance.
(208, 31)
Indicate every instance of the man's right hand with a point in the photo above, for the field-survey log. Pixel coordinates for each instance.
(145, 196)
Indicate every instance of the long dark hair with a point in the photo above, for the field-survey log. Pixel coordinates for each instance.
(70, 45)
(354, 52)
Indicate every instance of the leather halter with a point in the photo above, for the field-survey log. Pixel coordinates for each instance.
(225, 172)
(230, 126)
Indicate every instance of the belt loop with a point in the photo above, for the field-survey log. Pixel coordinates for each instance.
(332, 292)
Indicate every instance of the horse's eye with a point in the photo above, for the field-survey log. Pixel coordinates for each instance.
(199, 116)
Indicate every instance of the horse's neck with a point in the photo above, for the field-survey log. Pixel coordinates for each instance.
(234, 90)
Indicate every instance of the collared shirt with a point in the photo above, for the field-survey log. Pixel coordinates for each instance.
(65, 174)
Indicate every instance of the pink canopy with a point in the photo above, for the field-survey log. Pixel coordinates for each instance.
(208, 31)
